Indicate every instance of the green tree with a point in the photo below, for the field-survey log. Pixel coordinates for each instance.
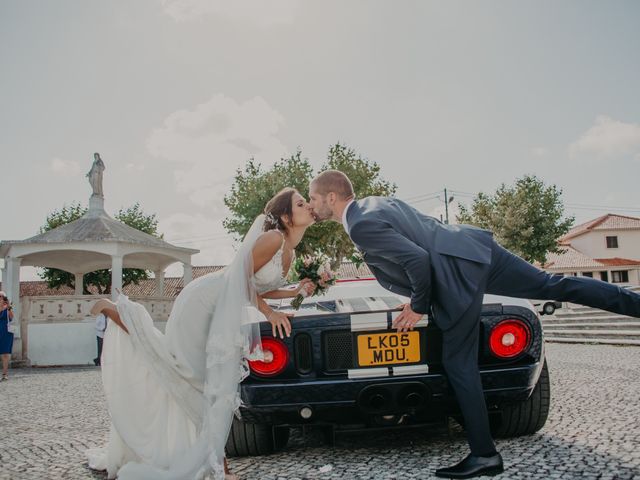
(100, 279)
(253, 187)
(526, 218)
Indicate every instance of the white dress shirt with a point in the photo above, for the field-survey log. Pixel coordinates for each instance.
(101, 325)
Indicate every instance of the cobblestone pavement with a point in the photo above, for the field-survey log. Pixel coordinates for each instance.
(48, 417)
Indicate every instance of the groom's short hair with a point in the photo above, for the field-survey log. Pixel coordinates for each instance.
(334, 181)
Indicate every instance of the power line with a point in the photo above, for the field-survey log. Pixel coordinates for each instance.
(577, 206)
(423, 196)
(463, 193)
(601, 207)
(413, 202)
(415, 199)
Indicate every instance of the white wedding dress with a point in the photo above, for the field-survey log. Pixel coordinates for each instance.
(171, 396)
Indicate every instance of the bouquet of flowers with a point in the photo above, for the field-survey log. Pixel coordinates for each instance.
(317, 269)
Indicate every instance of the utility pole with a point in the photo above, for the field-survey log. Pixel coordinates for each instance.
(447, 201)
(446, 206)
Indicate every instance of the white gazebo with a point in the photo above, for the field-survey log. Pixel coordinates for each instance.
(93, 242)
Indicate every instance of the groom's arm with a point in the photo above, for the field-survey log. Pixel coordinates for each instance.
(381, 240)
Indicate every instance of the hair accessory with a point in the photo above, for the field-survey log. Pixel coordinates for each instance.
(271, 220)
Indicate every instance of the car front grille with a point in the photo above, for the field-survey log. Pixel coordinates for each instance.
(338, 351)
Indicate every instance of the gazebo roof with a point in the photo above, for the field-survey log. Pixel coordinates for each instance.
(100, 227)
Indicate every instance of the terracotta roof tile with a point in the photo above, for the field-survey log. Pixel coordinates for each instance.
(570, 258)
(609, 221)
(172, 285)
(573, 259)
(617, 262)
(37, 288)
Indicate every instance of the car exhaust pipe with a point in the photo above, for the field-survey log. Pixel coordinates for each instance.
(413, 396)
(387, 399)
(413, 400)
(375, 399)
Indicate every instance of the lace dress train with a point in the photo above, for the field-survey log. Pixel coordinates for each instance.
(154, 382)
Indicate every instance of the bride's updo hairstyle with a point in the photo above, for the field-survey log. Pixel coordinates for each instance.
(278, 207)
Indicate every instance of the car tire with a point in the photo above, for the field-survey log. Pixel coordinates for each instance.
(526, 417)
(549, 308)
(252, 439)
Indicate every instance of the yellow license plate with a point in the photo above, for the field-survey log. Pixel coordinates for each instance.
(388, 348)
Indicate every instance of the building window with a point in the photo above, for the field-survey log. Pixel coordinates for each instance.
(620, 276)
(587, 274)
(604, 276)
(612, 242)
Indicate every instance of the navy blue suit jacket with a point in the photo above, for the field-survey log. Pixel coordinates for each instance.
(412, 254)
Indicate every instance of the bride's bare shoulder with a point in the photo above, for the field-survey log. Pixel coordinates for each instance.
(266, 247)
(271, 240)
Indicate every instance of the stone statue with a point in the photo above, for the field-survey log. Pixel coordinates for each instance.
(95, 175)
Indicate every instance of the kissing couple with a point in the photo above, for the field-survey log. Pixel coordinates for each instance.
(171, 397)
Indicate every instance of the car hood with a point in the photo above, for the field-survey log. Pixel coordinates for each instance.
(371, 288)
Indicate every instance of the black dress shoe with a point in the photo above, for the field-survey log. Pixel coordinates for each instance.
(473, 466)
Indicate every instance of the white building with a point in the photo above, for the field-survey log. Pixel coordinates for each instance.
(606, 248)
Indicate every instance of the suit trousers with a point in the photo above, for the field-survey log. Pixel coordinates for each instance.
(460, 361)
(97, 360)
(512, 276)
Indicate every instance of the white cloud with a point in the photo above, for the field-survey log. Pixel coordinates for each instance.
(203, 232)
(211, 141)
(259, 12)
(65, 167)
(607, 138)
(539, 151)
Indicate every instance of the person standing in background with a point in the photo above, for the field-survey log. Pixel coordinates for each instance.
(6, 334)
(101, 326)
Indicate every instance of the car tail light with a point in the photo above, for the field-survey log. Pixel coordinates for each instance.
(276, 358)
(509, 338)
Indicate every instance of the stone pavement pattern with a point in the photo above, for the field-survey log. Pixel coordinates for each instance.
(48, 417)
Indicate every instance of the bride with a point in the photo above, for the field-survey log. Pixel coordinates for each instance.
(171, 396)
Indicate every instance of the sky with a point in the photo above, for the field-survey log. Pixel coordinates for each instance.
(176, 95)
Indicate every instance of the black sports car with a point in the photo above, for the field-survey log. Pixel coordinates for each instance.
(344, 367)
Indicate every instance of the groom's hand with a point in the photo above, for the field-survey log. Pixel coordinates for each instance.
(407, 319)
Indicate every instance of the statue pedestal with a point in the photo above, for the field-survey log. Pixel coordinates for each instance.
(96, 206)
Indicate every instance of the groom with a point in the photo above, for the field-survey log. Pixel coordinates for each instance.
(445, 270)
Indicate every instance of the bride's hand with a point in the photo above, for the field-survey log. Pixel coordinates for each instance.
(307, 286)
(280, 323)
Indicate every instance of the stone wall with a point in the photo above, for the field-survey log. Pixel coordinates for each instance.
(61, 331)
